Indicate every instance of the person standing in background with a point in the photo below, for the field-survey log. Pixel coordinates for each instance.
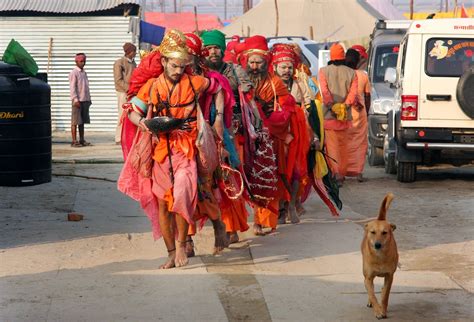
(358, 144)
(81, 100)
(123, 68)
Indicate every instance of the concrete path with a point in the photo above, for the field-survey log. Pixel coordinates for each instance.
(105, 268)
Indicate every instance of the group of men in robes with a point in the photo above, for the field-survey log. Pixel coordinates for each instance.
(267, 127)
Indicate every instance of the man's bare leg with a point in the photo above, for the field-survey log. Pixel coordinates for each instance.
(181, 259)
(221, 239)
(292, 206)
(74, 134)
(166, 225)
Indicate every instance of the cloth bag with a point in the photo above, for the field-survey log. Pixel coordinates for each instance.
(208, 157)
(142, 151)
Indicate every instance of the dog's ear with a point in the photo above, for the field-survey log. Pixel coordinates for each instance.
(393, 226)
(366, 225)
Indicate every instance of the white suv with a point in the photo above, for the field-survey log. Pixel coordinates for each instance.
(434, 118)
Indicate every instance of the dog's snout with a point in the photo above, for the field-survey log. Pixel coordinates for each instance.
(377, 245)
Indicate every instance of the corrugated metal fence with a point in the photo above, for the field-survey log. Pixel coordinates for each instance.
(53, 42)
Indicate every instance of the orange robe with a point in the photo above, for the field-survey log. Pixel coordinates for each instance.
(182, 195)
(285, 125)
(357, 134)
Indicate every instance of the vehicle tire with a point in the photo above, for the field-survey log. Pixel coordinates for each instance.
(374, 155)
(390, 167)
(406, 171)
(465, 92)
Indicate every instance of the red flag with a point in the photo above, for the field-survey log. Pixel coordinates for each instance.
(464, 13)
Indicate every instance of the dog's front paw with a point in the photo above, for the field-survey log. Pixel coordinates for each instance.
(369, 304)
(380, 315)
(379, 312)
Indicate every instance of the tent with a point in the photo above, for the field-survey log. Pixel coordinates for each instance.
(322, 20)
(184, 21)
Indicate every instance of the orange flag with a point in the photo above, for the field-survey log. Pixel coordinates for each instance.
(464, 13)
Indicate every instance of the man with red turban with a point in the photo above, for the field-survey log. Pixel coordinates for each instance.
(284, 63)
(276, 107)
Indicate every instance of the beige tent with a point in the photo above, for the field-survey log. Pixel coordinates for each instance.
(320, 20)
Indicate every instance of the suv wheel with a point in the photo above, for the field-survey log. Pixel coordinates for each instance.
(406, 171)
(465, 92)
(390, 167)
(374, 155)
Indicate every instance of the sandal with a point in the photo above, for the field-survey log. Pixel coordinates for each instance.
(85, 143)
(76, 144)
(171, 250)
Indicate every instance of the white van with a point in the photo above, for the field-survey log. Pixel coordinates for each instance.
(434, 119)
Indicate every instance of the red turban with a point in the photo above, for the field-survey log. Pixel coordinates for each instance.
(194, 44)
(255, 45)
(336, 52)
(284, 53)
(361, 50)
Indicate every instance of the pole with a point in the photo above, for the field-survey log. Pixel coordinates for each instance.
(447, 6)
(225, 9)
(411, 9)
(175, 6)
(50, 53)
(277, 18)
(196, 19)
(311, 32)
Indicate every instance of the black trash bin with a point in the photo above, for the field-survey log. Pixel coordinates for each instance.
(25, 128)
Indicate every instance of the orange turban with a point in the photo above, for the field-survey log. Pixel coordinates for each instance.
(336, 52)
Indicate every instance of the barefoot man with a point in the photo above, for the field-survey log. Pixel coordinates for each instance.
(174, 176)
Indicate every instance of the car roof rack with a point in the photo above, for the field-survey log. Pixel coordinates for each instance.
(392, 24)
(287, 37)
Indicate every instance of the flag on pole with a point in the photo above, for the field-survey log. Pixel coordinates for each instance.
(464, 13)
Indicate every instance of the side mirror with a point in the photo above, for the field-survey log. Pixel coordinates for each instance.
(390, 75)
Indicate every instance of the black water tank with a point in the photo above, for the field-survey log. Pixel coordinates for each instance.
(25, 128)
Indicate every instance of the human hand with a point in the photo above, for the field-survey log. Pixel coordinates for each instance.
(76, 104)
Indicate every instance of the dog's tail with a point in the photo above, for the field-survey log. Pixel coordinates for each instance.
(384, 206)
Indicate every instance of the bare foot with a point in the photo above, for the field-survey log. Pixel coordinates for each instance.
(300, 209)
(257, 230)
(181, 259)
(170, 262)
(233, 237)
(190, 247)
(221, 239)
(272, 231)
(293, 215)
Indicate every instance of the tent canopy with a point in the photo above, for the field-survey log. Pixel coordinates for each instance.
(184, 21)
(322, 20)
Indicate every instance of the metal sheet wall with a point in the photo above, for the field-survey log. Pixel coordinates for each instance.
(101, 38)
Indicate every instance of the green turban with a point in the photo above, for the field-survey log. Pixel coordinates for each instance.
(213, 37)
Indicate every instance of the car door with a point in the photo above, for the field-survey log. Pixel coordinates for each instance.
(445, 58)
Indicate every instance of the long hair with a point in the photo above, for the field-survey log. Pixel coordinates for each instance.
(352, 58)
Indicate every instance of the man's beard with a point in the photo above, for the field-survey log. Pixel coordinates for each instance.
(257, 76)
(214, 65)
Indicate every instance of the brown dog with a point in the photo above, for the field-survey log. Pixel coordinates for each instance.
(380, 257)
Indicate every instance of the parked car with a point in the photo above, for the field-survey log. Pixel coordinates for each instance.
(383, 53)
(433, 121)
(309, 50)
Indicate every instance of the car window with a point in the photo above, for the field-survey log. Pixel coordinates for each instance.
(448, 57)
(313, 48)
(385, 56)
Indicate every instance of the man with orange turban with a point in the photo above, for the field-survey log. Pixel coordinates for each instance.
(276, 107)
(339, 91)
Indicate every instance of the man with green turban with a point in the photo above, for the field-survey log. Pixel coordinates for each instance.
(235, 214)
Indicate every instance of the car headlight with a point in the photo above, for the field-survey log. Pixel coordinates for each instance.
(382, 106)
